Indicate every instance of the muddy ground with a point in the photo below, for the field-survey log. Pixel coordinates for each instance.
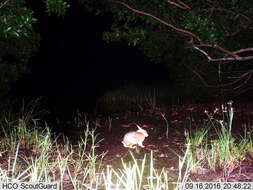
(179, 119)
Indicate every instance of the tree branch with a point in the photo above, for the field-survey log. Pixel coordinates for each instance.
(226, 51)
(185, 32)
(242, 50)
(4, 3)
(179, 4)
(241, 80)
(228, 55)
(203, 52)
(233, 56)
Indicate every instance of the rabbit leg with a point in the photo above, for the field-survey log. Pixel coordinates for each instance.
(140, 144)
(123, 143)
(126, 145)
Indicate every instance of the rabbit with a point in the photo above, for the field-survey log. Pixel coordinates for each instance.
(135, 137)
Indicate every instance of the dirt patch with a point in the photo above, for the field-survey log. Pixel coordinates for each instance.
(166, 128)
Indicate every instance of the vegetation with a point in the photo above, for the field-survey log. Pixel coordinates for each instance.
(196, 40)
(18, 38)
(200, 40)
(216, 31)
(31, 153)
(138, 97)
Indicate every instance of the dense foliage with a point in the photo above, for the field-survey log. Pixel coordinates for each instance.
(18, 39)
(195, 39)
(207, 38)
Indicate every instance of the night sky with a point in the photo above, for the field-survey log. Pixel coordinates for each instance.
(74, 66)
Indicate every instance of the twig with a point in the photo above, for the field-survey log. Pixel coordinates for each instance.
(185, 32)
(4, 3)
(179, 4)
(203, 52)
(242, 50)
(233, 56)
(245, 77)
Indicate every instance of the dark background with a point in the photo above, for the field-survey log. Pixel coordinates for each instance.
(74, 66)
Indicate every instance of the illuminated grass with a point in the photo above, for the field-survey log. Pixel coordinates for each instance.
(220, 151)
(34, 154)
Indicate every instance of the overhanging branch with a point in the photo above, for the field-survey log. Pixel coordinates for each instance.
(185, 32)
(179, 4)
(213, 52)
(197, 43)
(4, 3)
(238, 83)
(233, 55)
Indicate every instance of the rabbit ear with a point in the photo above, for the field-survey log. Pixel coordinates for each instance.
(138, 126)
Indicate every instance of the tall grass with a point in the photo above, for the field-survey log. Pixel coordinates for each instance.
(134, 98)
(81, 167)
(222, 150)
(196, 142)
(137, 174)
(34, 154)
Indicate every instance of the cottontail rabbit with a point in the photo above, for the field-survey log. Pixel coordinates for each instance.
(134, 137)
